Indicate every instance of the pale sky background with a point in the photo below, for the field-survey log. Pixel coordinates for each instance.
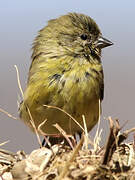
(19, 24)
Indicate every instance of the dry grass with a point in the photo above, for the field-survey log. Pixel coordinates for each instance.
(115, 161)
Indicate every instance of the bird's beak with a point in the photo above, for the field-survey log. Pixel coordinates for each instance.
(103, 42)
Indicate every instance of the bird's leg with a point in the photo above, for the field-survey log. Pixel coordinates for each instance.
(69, 140)
(80, 135)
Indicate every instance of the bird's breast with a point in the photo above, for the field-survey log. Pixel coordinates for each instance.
(81, 84)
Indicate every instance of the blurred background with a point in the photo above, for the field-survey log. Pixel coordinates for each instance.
(19, 23)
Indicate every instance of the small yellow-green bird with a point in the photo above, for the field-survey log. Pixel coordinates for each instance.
(66, 72)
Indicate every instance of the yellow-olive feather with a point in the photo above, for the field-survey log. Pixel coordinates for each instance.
(65, 72)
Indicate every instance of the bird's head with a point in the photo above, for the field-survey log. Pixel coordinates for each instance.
(72, 34)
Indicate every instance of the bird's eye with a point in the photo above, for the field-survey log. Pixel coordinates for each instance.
(83, 36)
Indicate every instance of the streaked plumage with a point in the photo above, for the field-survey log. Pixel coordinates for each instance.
(66, 72)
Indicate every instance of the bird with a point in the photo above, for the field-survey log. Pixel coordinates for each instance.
(66, 72)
